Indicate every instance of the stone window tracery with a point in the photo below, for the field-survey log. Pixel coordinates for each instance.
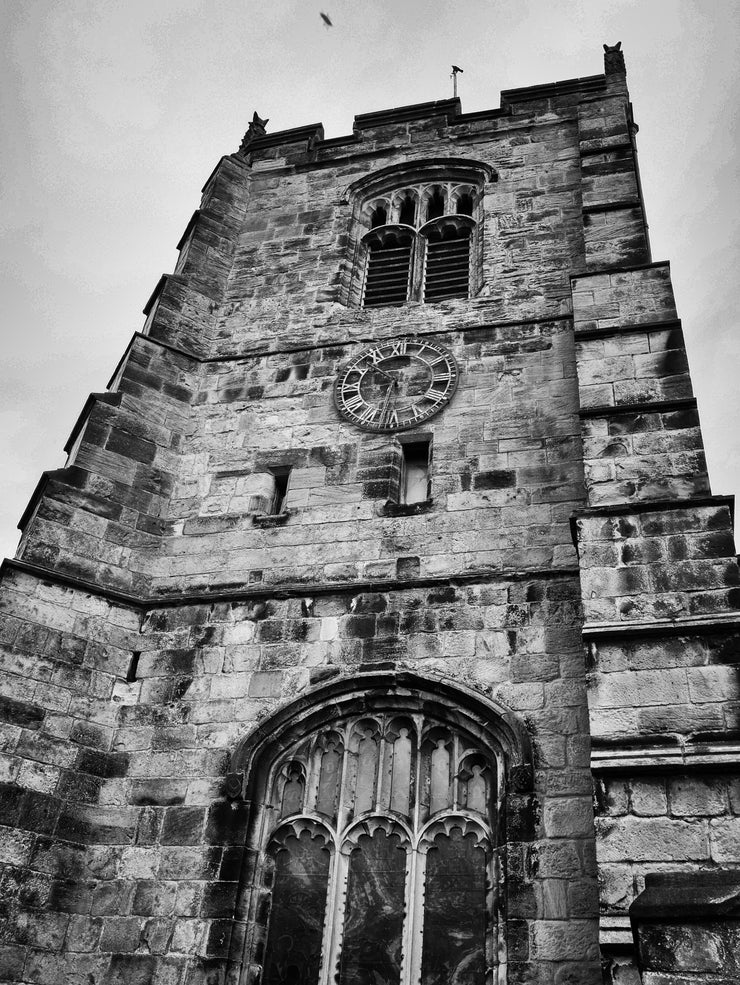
(417, 234)
(419, 244)
(379, 831)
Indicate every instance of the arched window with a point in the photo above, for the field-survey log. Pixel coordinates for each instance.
(376, 841)
(419, 239)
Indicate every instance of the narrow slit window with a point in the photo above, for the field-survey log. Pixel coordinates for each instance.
(280, 494)
(415, 475)
(133, 667)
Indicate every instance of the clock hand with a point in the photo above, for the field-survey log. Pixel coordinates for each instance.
(386, 403)
(377, 369)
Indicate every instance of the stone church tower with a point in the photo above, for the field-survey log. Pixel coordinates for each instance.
(382, 628)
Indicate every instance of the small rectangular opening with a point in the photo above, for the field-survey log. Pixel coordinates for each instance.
(133, 666)
(280, 494)
(415, 471)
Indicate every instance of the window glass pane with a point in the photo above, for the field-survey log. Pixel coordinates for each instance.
(371, 954)
(293, 791)
(415, 472)
(331, 761)
(454, 945)
(293, 952)
(367, 770)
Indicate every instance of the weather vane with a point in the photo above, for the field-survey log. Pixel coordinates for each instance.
(455, 70)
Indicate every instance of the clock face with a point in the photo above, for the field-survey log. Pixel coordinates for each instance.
(396, 385)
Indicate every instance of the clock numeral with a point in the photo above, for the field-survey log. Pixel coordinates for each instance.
(434, 394)
(354, 403)
(443, 378)
(376, 356)
(398, 349)
(351, 388)
(438, 360)
(416, 412)
(368, 416)
(392, 421)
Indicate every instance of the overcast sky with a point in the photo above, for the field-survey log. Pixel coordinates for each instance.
(114, 113)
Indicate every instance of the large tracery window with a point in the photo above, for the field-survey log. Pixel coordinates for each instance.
(379, 865)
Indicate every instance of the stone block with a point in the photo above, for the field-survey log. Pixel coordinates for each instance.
(633, 839)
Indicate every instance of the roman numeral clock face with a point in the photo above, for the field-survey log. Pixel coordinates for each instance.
(396, 385)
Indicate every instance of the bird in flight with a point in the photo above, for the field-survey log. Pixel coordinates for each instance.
(326, 19)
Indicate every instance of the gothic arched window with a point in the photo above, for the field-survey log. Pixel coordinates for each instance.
(378, 841)
(405, 249)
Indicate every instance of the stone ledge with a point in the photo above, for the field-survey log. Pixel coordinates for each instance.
(682, 625)
(615, 932)
(268, 520)
(112, 399)
(650, 407)
(620, 269)
(604, 148)
(359, 340)
(191, 223)
(695, 894)
(636, 329)
(244, 592)
(633, 203)
(589, 83)
(663, 758)
(389, 508)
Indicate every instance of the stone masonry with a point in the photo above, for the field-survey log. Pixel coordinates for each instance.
(570, 583)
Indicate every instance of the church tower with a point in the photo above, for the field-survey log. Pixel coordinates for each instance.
(382, 627)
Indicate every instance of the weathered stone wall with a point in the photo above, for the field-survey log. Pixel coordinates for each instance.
(659, 581)
(125, 859)
(153, 621)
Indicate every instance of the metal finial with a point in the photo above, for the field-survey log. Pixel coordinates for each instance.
(455, 70)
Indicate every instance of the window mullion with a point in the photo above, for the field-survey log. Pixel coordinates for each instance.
(413, 934)
(417, 269)
(336, 900)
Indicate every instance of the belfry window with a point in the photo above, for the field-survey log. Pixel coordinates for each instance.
(447, 266)
(421, 245)
(378, 847)
(388, 266)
